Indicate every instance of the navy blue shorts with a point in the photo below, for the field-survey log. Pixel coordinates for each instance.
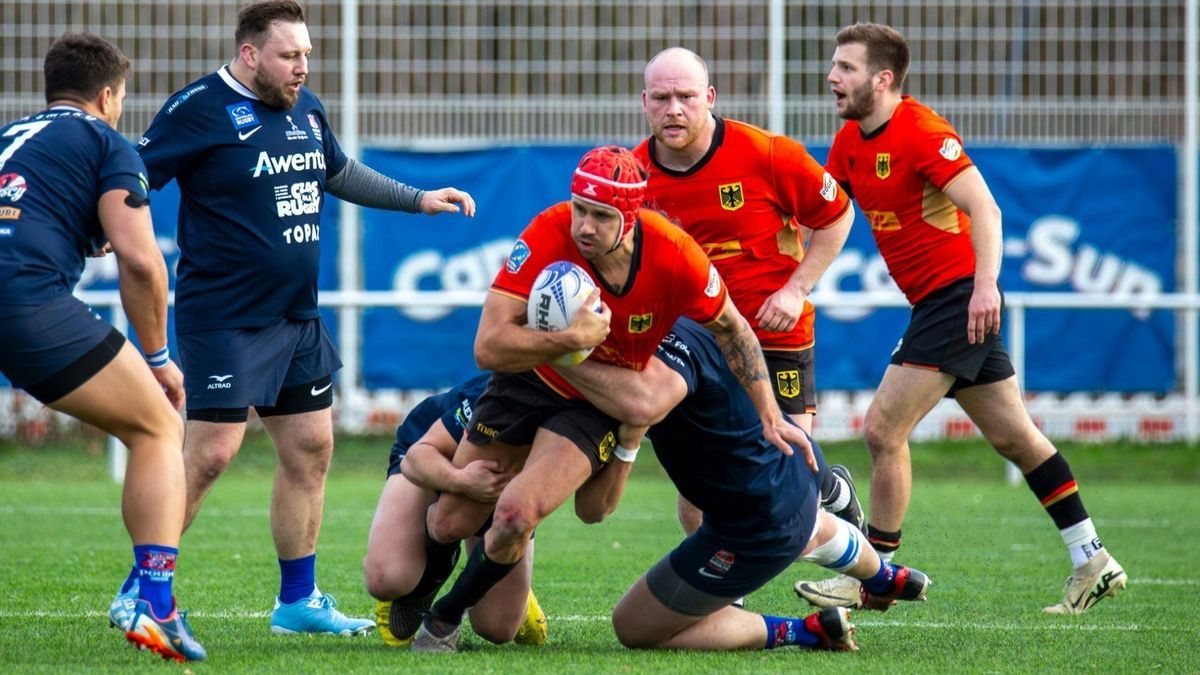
(706, 572)
(243, 367)
(51, 349)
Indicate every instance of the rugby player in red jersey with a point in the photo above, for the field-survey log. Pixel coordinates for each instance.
(938, 228)
(650, 273)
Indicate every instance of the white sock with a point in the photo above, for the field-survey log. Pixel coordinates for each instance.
(1082, 542)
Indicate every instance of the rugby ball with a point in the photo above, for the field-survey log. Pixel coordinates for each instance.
(557, 294)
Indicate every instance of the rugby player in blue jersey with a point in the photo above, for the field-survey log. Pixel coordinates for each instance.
(760, 510)
(71, 186)
(254, 155)
(404, 574)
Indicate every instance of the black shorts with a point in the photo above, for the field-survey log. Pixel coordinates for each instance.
(51, 349)
(791, 373)
(936, 339)
(705, 573)
(515, 405)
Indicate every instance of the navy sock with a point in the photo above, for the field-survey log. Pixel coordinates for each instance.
(133, 575)
(788, 630)
(476, 579)
(883, 581)
(156, 574)
(297, 578)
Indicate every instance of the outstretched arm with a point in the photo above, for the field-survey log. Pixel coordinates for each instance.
(636, 397)
(745, 358)
(362, 185)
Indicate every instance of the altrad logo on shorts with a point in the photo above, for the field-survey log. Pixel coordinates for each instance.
(220, 381)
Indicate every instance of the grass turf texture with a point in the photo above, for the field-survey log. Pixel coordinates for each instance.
(993, 554)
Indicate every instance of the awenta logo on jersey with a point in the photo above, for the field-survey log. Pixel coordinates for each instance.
(299, 161)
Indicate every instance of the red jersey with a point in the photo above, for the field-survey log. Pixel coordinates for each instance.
(669, 278)
(898, 174)
(743, 203)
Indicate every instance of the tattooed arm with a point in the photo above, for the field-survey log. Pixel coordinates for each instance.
(745, 358)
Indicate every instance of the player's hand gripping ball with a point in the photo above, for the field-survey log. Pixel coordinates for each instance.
(557, 294)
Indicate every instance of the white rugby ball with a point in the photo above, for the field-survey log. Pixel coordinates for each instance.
(557, 294)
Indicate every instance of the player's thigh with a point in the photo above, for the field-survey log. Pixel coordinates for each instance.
(140, 408)
(396, 542)
(905, 395)
(300, 435)
(556, 468)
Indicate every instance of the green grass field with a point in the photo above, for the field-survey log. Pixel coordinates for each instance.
(993, 555)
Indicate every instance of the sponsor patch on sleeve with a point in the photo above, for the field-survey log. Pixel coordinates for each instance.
(951, 149)
(829, 190)
(714, 282)
(517, 258)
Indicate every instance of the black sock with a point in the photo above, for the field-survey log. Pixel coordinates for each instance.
(885, 543)
(440, 560)
(476, 579)
(1054, 485)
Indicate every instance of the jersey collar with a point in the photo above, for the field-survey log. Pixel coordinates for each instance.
(230, 80)
(718, 138)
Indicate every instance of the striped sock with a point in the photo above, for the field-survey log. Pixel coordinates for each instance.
(1054, 485)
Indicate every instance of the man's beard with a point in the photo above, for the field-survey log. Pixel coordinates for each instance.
(272, 93)
(859, 103)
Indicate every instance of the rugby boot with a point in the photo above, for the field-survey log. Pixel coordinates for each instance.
(122, 607)
(908, 584)
(436, 636)
(316, 614)
(170, 638)
(534, 629)
(832, 626)
(1102, 577)
(839, 591)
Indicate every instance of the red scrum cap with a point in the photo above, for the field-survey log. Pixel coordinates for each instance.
(611, 176)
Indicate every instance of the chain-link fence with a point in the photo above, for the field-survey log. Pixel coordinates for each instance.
(1066, 72)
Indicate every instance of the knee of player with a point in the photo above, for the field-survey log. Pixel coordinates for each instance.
(880, 439)
(513, 521)
(492, 631)
(383, 580)
(210, 462)
(627, 632)
(591, 513)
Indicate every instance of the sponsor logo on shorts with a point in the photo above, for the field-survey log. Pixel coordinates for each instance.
(317, 392)
(718, 565)
(606, 447)
(787, 382)
(520, 253)
(220, 382)
(732, 197)
(883, 165)
(486, 430)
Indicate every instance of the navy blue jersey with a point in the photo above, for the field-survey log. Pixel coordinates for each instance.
(713, 449)
(252, 184)
(54, 166)
(452, 407)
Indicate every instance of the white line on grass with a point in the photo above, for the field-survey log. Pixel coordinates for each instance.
(598, 618)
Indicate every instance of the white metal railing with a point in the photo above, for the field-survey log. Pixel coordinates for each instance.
(350, 302)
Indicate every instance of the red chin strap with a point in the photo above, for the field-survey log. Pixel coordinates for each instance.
(611, 176)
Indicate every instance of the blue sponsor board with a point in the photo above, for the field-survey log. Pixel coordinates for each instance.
(1075, 220)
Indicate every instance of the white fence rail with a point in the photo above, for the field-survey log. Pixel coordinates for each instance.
(351, 302)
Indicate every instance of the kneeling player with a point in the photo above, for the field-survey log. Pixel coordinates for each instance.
(403, 569)
(760, 512)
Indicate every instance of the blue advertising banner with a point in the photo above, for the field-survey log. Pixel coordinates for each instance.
(1075, 220)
